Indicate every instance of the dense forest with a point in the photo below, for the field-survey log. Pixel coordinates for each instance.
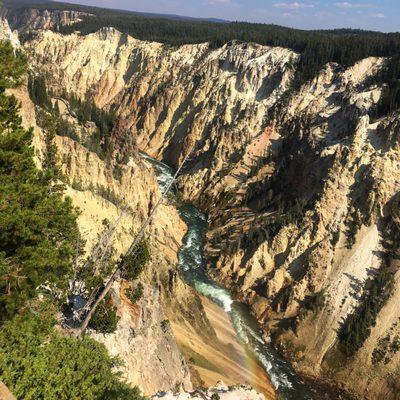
(38, 244)
(342, 46)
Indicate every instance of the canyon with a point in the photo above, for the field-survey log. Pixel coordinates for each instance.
(299, 184)
(146, 339)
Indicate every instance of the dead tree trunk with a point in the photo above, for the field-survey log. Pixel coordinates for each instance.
(132, 248)
(98, 253)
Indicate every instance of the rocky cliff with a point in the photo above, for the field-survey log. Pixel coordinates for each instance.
(300, 184)
(30, 20)
(109, 191)
(143, 340)
(7, 34)
(221, 390)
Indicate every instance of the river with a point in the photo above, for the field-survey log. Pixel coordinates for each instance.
(193, 269)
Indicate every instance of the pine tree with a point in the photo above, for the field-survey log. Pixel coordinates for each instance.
(38, 363)
(56, 108)
(38, 92)
(38, 243)
(37, 225)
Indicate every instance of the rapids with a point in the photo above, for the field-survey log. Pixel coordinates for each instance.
(192, 267)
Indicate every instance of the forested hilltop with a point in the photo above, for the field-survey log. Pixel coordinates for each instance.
(300, 185)
(342, 46)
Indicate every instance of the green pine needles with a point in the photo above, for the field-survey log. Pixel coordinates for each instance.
(36, 362)
(37, 225)
(38, 231)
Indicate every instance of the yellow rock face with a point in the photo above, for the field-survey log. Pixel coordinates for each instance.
(229, 105)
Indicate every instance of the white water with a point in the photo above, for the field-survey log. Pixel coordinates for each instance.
(192, 266)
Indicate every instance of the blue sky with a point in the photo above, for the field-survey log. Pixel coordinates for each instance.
(383, 15)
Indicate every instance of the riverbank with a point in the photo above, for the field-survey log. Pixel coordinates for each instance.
(236, 352)
(226, 358)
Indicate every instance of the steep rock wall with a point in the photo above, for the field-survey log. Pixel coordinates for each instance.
(173, 97)
(29, 20)
(298, 183)
(147, 346)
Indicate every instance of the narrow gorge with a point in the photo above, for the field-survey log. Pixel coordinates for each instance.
(275, 262)
(257, 354)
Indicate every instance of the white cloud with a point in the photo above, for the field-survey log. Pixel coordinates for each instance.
(347, 5)
(378, 15)
(293, 6)
(359, 8)
(219, 1)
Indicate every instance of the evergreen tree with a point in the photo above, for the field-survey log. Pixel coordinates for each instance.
(133, 264)
(38, 363)
(38, 241)
(105, 318)
(37, 225)
(56, 109)
(38, 92)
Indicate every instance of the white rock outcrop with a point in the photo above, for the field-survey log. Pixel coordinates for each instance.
(220, 391)
(264, 152)
(7, 34)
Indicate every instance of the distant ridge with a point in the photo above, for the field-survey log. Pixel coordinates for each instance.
(170, 16)
(27, 3)
(316, 47)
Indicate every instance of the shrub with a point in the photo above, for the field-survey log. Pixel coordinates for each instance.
(133, 264)
(105, 318)
(136, 294)
(77, 185)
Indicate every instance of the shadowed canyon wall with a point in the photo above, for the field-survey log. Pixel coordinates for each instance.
(300, 184)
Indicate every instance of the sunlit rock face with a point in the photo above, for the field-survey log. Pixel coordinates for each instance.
(298, 183)
(7, 34)
(221, 390)
(143, 340)
(27, 20)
